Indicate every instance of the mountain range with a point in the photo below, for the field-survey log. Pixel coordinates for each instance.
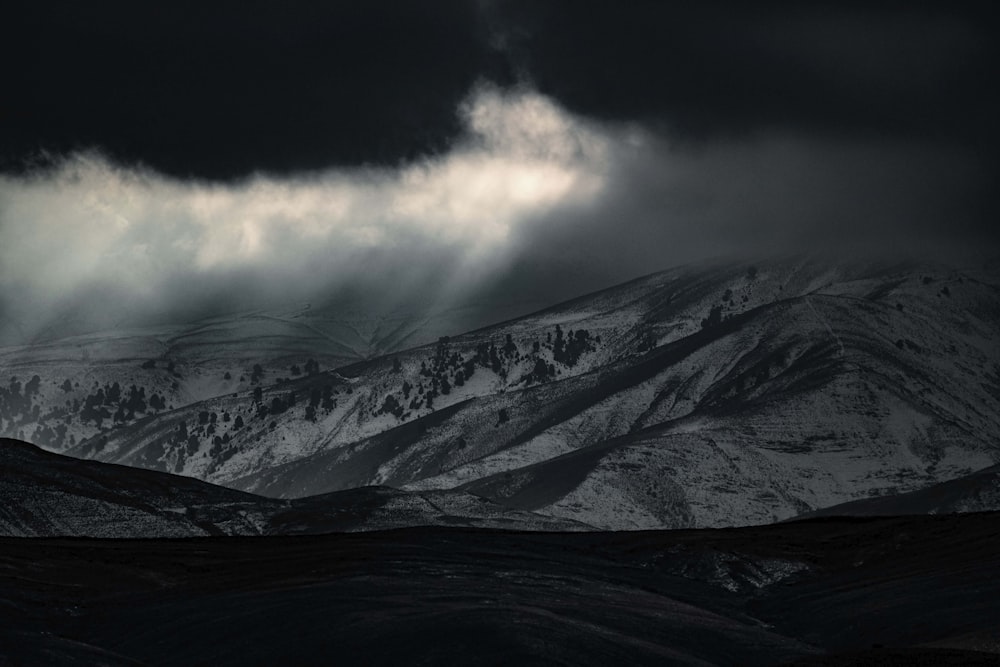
(420, 496)
(707, 396)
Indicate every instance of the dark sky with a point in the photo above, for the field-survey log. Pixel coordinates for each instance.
(219, 90)
(511, 142)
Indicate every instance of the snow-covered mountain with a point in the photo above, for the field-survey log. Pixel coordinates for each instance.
(706, 396)
(60, 390)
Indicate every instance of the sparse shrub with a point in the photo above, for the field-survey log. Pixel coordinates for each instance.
(714, 318)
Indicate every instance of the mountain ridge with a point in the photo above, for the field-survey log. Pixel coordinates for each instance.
(786, 386)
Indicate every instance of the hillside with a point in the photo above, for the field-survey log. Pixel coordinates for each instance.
(62, 388)
(48, 495)
(906, 591)
(978, 492)
(705, 396)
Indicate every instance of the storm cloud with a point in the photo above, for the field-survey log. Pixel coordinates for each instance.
(174, 161)
(436, 227)
(226, 89)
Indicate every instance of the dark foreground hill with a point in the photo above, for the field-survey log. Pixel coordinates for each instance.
(49, 495)
(977, 492)
(919, 590)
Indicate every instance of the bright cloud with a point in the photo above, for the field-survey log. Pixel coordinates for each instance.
(531, 200)
(93, 222)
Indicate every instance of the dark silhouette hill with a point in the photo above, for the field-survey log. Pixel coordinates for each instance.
(49, 495)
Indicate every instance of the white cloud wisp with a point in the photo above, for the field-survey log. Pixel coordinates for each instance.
(92, 225)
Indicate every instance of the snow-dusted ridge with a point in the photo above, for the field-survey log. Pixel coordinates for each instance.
(706, 396)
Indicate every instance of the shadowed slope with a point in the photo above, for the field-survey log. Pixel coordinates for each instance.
(751, 596)
(45, 495)
(978, 492)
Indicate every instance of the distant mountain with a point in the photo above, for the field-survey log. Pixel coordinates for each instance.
(706, 396)
(48, 495)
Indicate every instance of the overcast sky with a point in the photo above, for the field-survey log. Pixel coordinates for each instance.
(181, 158)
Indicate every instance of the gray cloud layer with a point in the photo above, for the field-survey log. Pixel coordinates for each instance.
(531, 201)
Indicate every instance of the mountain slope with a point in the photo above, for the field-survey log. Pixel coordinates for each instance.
(978, 492)
(852, 419)
(706, 396)
(66, 387)
(47, 495)
(44, 494)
